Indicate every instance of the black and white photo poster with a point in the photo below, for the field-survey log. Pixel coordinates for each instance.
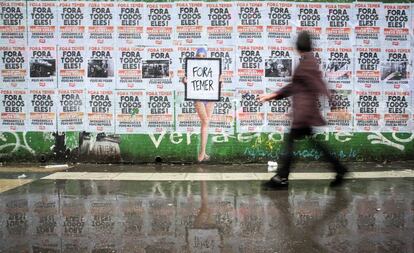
(203, 79)
(159, 67)
(396, 67)
(42, 67)
(101, 69)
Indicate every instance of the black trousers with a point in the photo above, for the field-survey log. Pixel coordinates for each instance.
(300, 133)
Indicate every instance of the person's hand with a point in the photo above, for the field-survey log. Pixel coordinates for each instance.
(184, 80)
(221, 79)
(266, 97)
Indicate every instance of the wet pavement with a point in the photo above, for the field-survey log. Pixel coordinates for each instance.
(374, 215)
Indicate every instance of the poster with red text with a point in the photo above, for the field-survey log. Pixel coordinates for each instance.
(278, 114)
(250, 23)
(338, 110)
(71, 110)
(159, 67)
(42, 22)
(311, 18)
(42, 109)
(42, 67)
(129, 22)
(72, 64)
(100, 23)
(13, 23)
(280, 23)
(191, 23)
(13, 110)
(227, 54)
(187, 119)
(319, 54)
(368, 111)
(129, 111)
(396, 67)
(250, 112)
(72, 20)
(250, 66)
(338, 69)
(183, 53)
(159, 24)
(279, 64)
(367, 67)
(397, 111)
(221, 18)
(368, 24)
(397, 25)
(101, 67)
(339, 24)
(159, 111)
(99, 111)
(129, 67)
(13, 67)
(223, 117)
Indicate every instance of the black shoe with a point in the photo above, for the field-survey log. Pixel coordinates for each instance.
(277, 182)
(339, 180)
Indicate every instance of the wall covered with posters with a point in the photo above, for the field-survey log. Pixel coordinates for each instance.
(102, 80)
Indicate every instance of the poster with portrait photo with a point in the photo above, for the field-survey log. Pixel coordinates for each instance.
(99, 111)
(159, 24)
(13, 110)
(129, 20)
(224, 114)
(42, 109)
(71, 110)
(367, 67)
(280, 23)
(250, 112)
(100, 72)
(338, 111)
(368, 111)
(187, 119)
(159, 111)
(396, 67)
(278, 114)
(159, 68)
(221, 17)
(129, 111)
(13, 23)
(227, 54)
(339, 24)
(397, 111)
(250, 23)
(100, 23)
(250, 66)
(369, 17)
(190, 27)
(279, 64)
(72, 65)
(338, 67)
(129, 67)
(13, 67)
(311, 17)
(42, 67)
(72, 18)
(397, 25)
(42, 22)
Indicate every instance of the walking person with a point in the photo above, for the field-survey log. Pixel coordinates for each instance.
(306, 87)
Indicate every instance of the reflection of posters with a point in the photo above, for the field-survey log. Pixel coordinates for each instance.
(368, 26)
(129, 67)
(367, 69)
(396, 67)
(279, 65)
(13, 23)
(397, 111)
(310, 18)
(129, 113)
(228, 63)
(250, 66)
(368, 111)
(72, 66)
(100, 73)
(100, 111)
(159, 67)
(42, 67)
(280, 24)
(71, 110)
(187, 119)
(338, 67)
(101, 23)
(159, 111)
(73, 225)
(130, 23)
(250, 112)
(190, 26)
(339, 24)
(220, 26)
(13, 67)
(278, 114)
(250, 22)
(223, 117)
(339, 110)
(13, 110)
(42, 107)
(42, 22)
(397, 24)
(72, 22)
(159, 26)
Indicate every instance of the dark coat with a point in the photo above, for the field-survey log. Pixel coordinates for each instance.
(306, 87)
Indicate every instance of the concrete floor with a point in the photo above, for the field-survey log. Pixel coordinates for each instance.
(102, 216)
